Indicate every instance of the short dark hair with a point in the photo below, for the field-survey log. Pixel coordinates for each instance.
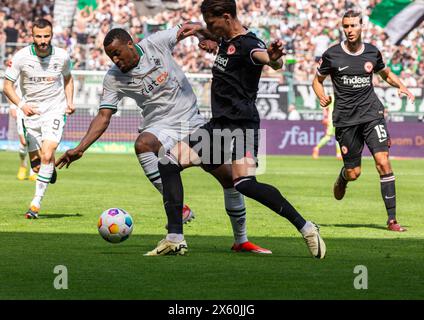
(42, 23)
(353, 14)
(116, 33)
(217, 8)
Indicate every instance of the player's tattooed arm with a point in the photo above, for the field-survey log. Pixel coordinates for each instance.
(387, 75)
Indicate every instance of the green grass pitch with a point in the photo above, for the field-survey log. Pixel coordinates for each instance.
(66, 234)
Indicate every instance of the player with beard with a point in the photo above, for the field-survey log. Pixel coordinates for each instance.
(358, 113)
(47, 89)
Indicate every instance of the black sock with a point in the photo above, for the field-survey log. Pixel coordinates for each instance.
(173, 195)
(388, 192)
(269, 196)
(342, 174)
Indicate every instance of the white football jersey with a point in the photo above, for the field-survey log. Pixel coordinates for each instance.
(157, 84)
(41, 79)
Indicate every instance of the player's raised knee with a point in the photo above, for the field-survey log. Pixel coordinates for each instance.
(146, 143)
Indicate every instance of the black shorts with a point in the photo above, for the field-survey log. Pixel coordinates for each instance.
(222, 141)
(352, 139)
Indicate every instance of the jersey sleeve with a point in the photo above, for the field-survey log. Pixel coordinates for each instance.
(324, 65)
(14, 67)
(110, 96)
(252, 45)
(166, 38)
(380, 65)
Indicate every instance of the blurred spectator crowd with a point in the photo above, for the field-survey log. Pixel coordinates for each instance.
(307, 28)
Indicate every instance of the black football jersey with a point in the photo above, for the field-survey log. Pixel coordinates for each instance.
(236, 78)
(351, 74)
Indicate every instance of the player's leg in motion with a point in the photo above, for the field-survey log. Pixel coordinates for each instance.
(23, 150)
(332, 133)
(244, 146)
(23, 168)
(378, 142)
(236, 210)
(45, 158)
(173, 199)
(147, 147)
(352, 142)
(346, 175)
(388, 190)
(324, 140)
(245, 182)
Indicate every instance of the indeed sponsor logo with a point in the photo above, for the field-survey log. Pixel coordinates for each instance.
(356, 82)
(297, 136)
(220, 62)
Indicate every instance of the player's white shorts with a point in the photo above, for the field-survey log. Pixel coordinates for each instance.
(170, 133)
(45, 127)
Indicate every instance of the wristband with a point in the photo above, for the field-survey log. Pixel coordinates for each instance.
(21, 103)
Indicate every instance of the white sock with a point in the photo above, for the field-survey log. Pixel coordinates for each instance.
(22, 154)
(43, 179)
(175, 237)
(149, 163)
(236, 210)
(308, 227)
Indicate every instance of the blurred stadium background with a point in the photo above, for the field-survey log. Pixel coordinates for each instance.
(287, 104)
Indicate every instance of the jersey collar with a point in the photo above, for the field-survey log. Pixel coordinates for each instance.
(140, 53)
(246, 31)
(34, 53)
(360, 51)
(139, 50)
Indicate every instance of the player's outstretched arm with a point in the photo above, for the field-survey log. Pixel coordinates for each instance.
(387, 75)
(318, 86)
(272, 56)
(97, 126)
(195, 29)
(207, 41)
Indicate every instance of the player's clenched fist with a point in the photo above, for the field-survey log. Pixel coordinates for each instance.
(276, 50)
(324, 101)
(30, 110)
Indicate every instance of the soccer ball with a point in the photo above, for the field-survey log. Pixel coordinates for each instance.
(115, 225)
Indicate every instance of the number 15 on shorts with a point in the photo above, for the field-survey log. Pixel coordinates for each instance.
(381, 132)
